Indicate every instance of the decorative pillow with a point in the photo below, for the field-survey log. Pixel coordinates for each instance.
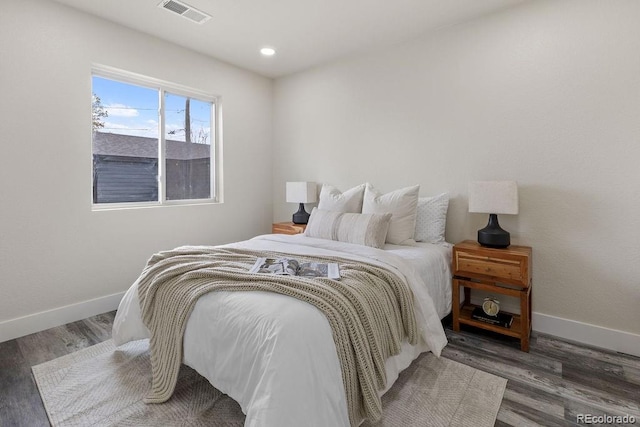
(362, 229)
(331, 199)
(402, 204)
(431, 218)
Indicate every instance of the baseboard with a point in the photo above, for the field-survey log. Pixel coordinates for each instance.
(21, 326)
(598, 336)
(585, 333)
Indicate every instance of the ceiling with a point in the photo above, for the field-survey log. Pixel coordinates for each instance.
(305, 33)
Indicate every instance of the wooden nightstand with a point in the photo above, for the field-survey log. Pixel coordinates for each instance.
(287, 228)
(498, 271)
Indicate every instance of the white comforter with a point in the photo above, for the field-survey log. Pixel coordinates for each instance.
(274, 354)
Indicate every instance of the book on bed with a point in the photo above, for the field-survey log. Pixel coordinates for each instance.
(292, 267)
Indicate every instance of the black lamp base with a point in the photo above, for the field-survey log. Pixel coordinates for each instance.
(492, 236)
(301, 217)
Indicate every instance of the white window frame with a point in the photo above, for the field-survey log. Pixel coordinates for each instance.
(163, 87)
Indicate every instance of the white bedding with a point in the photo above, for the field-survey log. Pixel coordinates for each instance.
(274, 354)
(432, 262)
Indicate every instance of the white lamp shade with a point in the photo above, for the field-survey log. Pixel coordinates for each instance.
(493, 197)
(301, 192)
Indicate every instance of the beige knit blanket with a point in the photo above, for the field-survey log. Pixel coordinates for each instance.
(370, 311)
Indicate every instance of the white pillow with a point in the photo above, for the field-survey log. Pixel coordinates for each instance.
(331, 199)
(402, 204)
(362, 229)
(431, 218)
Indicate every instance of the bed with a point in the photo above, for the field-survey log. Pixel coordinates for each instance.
(274, 354)
(281, 358)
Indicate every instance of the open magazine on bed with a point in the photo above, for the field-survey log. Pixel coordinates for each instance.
(292, 267)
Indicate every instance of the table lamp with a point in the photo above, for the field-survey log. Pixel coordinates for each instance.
(301, 192)
(493, 197)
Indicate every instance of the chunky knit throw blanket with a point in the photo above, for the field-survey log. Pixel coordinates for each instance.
(370, 311)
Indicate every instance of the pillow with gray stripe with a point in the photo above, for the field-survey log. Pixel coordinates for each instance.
(362, 229)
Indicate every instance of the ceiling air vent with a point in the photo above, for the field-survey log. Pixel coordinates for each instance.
(184, 10)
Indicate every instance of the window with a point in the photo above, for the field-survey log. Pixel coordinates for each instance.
(154, 143)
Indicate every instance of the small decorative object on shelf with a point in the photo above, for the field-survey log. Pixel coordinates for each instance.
(504, 271)
(491, 306)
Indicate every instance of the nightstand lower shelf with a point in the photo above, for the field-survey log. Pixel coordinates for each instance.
(521, 326)
(514, 331)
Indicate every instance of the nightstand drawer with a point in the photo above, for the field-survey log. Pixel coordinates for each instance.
(487, 266)
(510, 265)
(288, 228)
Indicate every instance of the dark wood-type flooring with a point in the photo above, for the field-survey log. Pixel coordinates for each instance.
(548, 386)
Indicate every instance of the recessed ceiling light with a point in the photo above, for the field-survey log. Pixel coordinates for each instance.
(268, 51)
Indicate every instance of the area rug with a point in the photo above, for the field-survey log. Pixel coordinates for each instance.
(104, 386)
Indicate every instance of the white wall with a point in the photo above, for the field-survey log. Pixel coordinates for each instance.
(546, 93)
(54, 251)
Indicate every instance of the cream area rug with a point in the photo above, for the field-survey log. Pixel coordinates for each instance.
(104, 386)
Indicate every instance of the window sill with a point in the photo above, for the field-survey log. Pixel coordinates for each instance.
(148, 205)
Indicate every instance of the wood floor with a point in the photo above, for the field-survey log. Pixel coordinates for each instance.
(549, 386)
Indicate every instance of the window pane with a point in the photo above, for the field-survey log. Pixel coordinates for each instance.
(188, 134)
(125, 142)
